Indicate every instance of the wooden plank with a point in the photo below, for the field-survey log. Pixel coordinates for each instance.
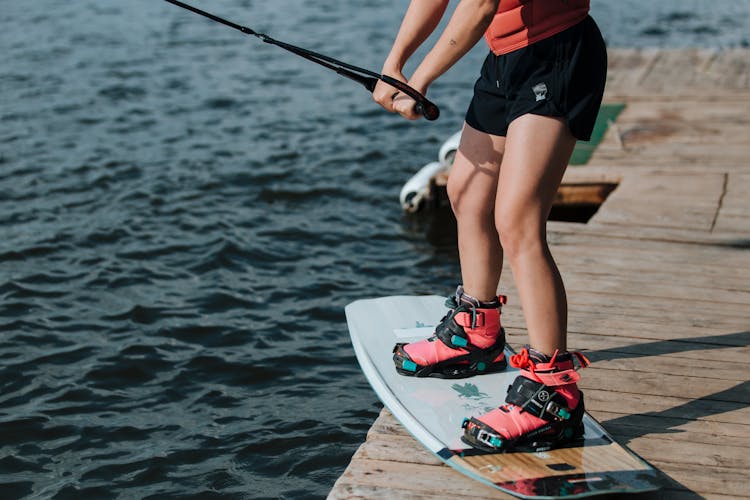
(643, 384)
(634, 234)
(632, 258)
(677, 73)
(734, 214)
(708, 409)
(716, 111)
(672, 189)
(405, 480)
(722, 348)
(708, 368)
(666, 309)
(644, 267)
(386, 424)
(671, 156)
(676, 428)
(647, 254)
(644, 138)
(640, 319)
(695, 69)
(657, 286)
(640, 256)
(349, 491)
(713, 482)
(666, 252)
(582, 193)
(738, 224)
(681, 66)
(627, 68)
(396, 448)
(658, 215)
(617, 320)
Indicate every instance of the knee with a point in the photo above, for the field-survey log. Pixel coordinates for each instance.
(465, 206)
(455, 189)
(519, 234)
(452, 189)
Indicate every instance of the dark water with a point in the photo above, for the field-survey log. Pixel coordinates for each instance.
(184, 213)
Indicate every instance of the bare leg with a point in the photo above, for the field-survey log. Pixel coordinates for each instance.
(537, 151)
(472, 187)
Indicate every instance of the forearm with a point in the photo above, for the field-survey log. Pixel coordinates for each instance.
(420, 20)
(465, 28)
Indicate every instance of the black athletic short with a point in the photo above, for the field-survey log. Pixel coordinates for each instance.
(563, 75)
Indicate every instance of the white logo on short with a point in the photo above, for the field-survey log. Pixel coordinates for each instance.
(540, 91)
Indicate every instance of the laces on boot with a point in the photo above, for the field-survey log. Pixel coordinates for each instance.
(548, 372)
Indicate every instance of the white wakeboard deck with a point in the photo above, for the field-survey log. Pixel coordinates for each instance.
(432, 410)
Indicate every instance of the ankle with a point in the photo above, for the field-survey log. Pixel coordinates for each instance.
(495, 302)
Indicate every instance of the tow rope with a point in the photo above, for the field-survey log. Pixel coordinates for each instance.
(363, 76)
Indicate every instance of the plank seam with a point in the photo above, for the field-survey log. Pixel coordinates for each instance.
(721, 201)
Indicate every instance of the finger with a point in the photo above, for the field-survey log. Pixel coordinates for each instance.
(404, 105)
(384, 95)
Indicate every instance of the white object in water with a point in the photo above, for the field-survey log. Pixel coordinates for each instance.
(449, 148)
(416, 189)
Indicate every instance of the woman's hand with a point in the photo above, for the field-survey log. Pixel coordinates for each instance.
(394, 101)
(385, 94)
(405, 106)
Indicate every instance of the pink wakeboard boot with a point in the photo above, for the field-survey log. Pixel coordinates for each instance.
(468, 341)
(544, 407)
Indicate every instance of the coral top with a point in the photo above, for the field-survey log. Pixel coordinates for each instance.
(519, 23)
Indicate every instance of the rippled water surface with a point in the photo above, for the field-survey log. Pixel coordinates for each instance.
(185, 212)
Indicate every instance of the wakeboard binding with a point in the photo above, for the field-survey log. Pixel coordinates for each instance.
(468, 341)
(543, 408)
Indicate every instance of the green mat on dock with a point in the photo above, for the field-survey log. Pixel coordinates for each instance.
(583, 150)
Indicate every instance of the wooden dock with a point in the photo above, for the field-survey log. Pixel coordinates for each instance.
(658, 286)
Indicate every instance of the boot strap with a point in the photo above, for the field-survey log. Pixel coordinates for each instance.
(472, 319)
(538, 399)
(562, 377)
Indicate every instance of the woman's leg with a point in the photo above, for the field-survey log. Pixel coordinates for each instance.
(469, 339)
(537, 150)
(544, 407)
(472, 187)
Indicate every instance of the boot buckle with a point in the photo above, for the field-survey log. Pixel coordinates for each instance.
(557, 411)
(489, 439)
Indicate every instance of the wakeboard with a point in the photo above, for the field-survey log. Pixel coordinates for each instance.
(433, 409)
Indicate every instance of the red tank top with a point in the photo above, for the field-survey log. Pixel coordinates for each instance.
(519, 23)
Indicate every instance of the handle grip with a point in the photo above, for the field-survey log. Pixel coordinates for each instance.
(427, 109)
(423, 107)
